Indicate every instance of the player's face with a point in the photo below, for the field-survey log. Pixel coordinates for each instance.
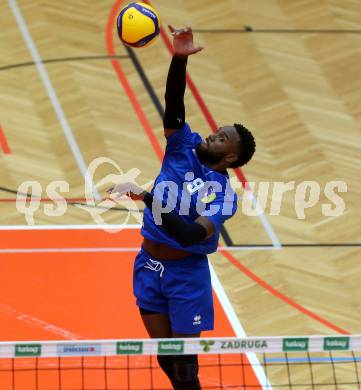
(223, 145)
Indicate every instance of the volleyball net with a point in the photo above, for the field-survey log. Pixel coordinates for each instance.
(305, 362)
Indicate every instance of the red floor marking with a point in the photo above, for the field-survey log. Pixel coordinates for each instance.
(279, 295)
(3, 142)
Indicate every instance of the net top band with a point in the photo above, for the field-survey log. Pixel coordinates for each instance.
(186, 346)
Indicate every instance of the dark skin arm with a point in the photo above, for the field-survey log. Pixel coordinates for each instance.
(207, 224)
(183, 47)
(137, 193)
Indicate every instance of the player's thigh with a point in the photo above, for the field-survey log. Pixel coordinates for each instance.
(190, 300)
(157, 325)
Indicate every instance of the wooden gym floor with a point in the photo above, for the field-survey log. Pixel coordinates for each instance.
(70, 92)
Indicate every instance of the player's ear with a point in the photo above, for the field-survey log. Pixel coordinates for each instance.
(231, 158)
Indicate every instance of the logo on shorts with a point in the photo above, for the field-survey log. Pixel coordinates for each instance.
(197, 320)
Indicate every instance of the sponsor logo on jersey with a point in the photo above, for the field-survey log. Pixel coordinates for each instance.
(197, 320)
(210, 196)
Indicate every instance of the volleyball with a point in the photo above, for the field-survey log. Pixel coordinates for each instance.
(138, 24)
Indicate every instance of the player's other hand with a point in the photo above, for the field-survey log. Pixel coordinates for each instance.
(183, 41)
(129, 189)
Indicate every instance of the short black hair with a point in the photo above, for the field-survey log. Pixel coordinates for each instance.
(247, 146)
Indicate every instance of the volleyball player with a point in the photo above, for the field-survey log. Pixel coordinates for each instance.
(172, 281)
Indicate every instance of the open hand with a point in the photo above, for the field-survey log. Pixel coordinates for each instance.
(183, 41)
(128, 189)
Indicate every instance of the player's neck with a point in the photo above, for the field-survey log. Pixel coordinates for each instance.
(218, 166)
(221, 168)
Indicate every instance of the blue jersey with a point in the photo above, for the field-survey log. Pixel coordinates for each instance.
(191, 189)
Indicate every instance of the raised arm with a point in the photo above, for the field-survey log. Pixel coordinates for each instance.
(174, 115)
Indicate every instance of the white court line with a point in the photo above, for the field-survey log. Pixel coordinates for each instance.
(69, 250)
(29, 319)
(264, 220)
(237, 327)
(53, 97)
(248, 248)
(105, 250)
(69, 227)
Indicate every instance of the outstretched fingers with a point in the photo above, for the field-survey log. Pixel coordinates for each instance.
(197, 49)
(179, 31)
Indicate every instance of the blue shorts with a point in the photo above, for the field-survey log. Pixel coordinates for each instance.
(181, 288)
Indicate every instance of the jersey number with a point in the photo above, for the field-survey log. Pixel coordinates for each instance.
(195, 186)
